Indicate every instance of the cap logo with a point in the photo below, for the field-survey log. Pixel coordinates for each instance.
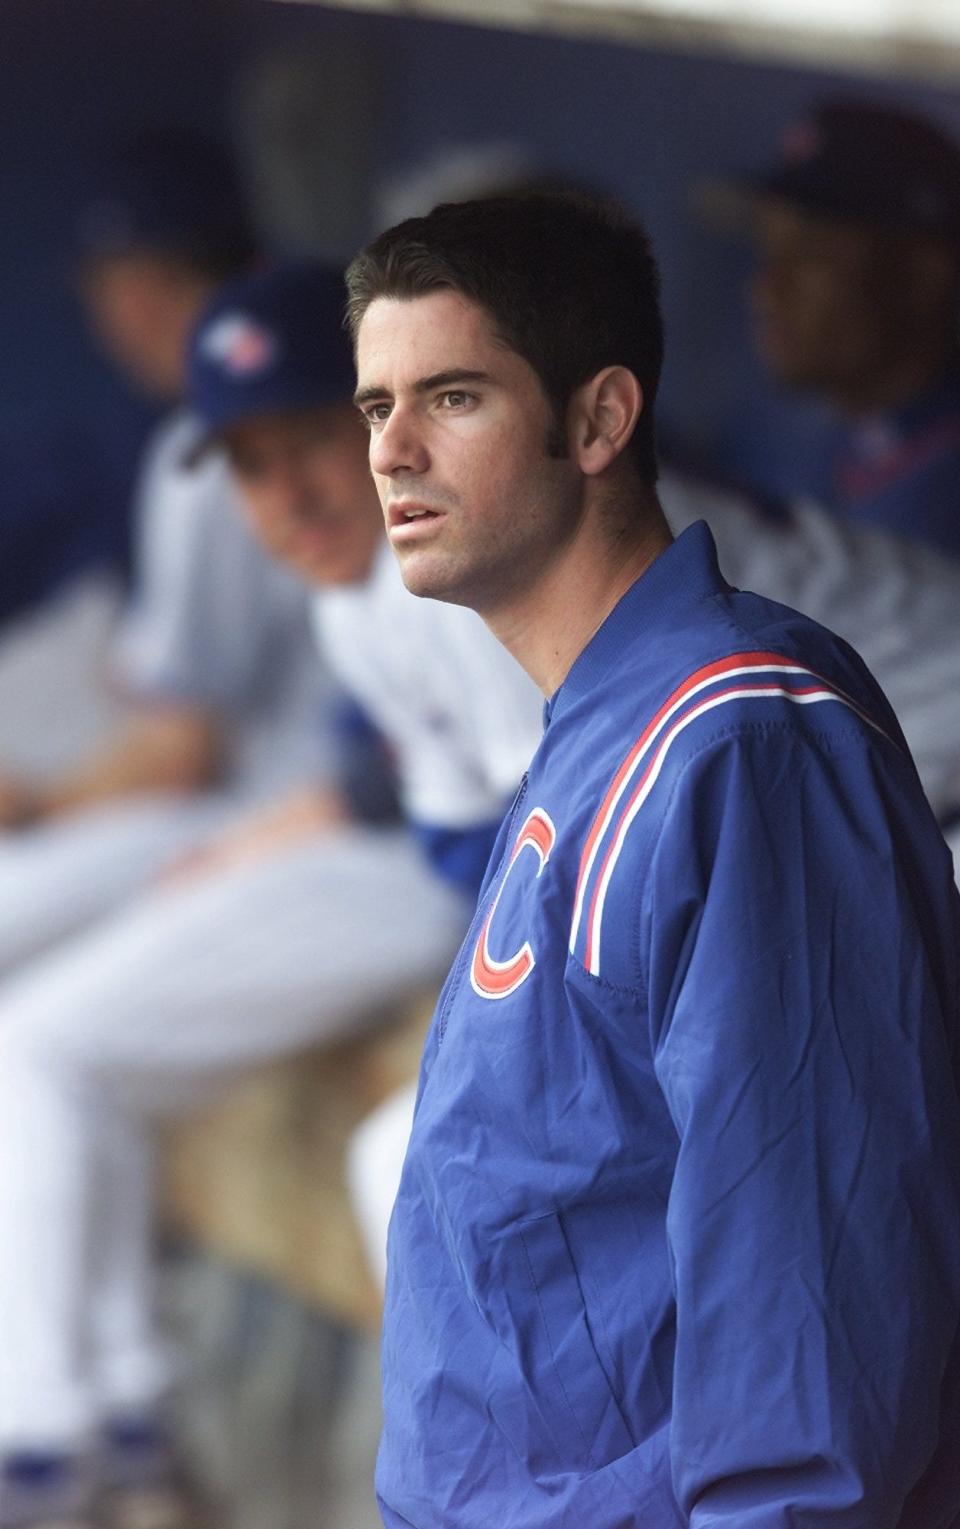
(240, 345)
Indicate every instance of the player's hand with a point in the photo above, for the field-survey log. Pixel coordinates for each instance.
(280, 826)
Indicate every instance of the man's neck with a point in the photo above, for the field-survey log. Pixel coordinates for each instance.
(547, 628)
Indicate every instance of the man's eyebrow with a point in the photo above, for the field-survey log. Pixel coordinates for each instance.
(423, 384)
(366, 395)
(447, 379)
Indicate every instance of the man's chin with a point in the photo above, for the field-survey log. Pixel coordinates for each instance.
(426, 578)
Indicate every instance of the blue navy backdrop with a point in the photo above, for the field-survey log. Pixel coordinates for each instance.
(646, 124)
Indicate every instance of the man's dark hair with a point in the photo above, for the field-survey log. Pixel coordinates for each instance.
(567, 279)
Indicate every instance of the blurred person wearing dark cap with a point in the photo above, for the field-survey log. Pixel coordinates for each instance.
(286, 930)
(159, 220)
(856, 304)
(209, 614)
(228, 706)
(163, 225)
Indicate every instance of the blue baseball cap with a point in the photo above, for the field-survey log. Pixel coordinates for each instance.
(165, 192)
(267, 343)
(865, 162)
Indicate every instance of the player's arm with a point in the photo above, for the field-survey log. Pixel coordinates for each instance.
(358, 788)
(800, 1024)
(163, 748)
(281, 825)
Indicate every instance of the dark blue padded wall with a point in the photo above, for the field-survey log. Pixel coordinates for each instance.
(647, 124)
(69, 431)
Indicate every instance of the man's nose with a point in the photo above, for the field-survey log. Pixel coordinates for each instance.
(397, 446)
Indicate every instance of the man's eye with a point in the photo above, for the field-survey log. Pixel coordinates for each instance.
(375, 414)
(456, 398)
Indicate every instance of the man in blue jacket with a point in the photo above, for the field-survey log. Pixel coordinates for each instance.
(678, 1236)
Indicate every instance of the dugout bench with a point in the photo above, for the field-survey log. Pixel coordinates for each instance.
(258, 1177)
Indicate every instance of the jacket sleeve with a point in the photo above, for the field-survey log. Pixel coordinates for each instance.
(799, 919)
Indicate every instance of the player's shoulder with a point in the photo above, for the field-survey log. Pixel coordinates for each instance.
(740, 675)
(750, 665)
(722, 664)
(751, 742)
(732, 664)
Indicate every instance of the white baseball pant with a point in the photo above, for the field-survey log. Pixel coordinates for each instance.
(375, 1157)
(64, 875)
(137, 1018)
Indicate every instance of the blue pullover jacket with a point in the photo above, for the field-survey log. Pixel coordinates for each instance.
(678, 1236)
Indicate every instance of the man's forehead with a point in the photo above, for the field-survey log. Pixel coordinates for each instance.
(402, 341)
(434, 324)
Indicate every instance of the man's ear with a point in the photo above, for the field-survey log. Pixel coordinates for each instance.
(602, 417)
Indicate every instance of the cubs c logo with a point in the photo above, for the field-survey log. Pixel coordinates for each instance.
(498, 979)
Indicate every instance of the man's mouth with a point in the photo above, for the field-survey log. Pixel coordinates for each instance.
(404, 512)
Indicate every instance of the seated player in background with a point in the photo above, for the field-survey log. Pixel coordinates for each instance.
(856, 306)
(214, 659)
(283, 932)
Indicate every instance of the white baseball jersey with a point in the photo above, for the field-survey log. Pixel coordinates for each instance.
(896, 602)
(462, 717)
(216, 623)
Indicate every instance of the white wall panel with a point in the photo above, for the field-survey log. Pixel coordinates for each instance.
(914, 37)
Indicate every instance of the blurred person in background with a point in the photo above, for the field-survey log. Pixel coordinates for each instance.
(856, 304)
(214, 658)
(160, 219)
(283, 932)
